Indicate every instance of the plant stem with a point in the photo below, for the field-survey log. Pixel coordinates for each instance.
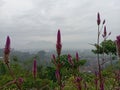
(13, 76)
(59, 82)
(98, 47)
(99, 66)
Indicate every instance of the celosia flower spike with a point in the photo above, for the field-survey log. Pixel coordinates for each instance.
(20, 80)
(35, 68)
(78, 79)
(77, 56)
(78, 82)
(98, 19)
(70, 60)
(54, 59)
(105, 32)
(7, 46)
(109, 34)
(104, 21)
(58, 37)
(102, 85)
(57, 74)
(58, 45)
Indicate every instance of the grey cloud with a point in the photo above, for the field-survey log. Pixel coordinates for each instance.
(76, 19)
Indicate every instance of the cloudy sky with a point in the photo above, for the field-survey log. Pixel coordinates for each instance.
(33, 24)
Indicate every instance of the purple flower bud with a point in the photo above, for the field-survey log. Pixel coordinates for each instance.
(98, 19)
(102, 85)
(109, 33)
(105, 32)
(54, 59)
(58, 37)
(77, 56)
(104, 21)
(20, 80)
(58, 45)
(70, 60)
(7, 46)
(103, 35)
(78, 82)
(57, 74)
(118, 38)
(35, 68)
(78, 79)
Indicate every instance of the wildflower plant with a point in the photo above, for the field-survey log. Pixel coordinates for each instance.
(34, 69)
(17, 81)
(98, 47)
(57, 62)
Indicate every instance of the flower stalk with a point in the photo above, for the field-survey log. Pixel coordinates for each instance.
(34, 69)
(6, 60)
(56, 61)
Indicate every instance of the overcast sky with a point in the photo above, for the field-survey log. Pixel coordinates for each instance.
(33, 24)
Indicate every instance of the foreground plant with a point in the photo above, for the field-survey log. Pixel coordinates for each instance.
(7, 62)
(57, 62)
(98, 48)
(34, 69)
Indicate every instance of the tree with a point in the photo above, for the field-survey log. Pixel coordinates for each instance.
(108, 46)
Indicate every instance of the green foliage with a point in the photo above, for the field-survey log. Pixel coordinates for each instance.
(50, 73)
(2, 68)
(65, 63)
(107, 47)
(46, 76)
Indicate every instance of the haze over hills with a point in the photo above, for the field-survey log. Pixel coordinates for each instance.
(47, 45)
(44, 57)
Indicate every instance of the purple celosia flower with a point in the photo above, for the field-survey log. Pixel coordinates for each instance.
(7, 46)
(57, 74)
(20, 80)
(78, 82)
(102, 85)
(70, 60)
(109, 34)
(35, 68)
(104, 21)
(54, 59)
(7, 50)
(78, 79)
(105, 32)
(77, 56)
(58, 37)
(98, 19)
(58, 45)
